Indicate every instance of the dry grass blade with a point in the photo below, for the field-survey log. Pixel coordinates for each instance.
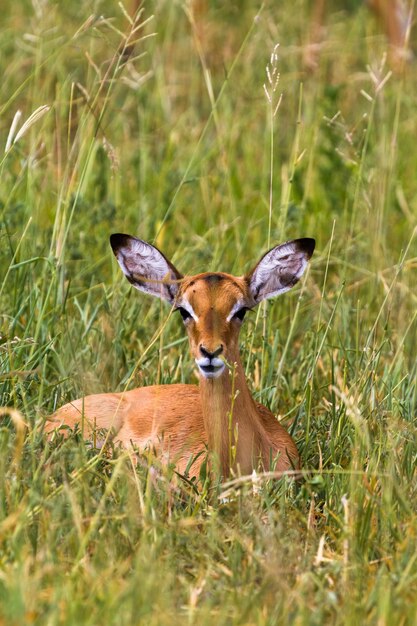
(31, 120)
(20, 426)
(15, 122)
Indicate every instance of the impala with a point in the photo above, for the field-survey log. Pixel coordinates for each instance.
(181, 422)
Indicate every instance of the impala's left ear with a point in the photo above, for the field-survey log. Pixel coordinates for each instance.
(279, 269)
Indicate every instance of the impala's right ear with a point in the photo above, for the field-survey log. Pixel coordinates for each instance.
(145, 267)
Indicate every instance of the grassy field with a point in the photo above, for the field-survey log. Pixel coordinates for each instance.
(179, 145)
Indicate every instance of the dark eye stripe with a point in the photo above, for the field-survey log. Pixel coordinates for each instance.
(184, 313)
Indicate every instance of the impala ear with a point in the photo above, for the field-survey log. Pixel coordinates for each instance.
(280, 268)
(146, 267)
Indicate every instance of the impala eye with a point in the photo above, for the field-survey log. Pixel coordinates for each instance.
(239, 315)
(184, 313)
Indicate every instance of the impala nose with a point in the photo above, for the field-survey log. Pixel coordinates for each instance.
(211, 355)
(210, 365)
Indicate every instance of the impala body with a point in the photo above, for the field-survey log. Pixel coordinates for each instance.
(182, 422)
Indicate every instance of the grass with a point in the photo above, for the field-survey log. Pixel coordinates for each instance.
(179, 145)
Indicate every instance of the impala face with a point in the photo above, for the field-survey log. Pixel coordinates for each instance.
(212, 305)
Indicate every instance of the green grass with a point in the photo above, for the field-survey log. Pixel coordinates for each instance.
(175, 147)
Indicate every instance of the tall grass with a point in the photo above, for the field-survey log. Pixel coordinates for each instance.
(178, 144)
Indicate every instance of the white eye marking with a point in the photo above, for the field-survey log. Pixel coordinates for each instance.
(187, 306)
(239, 304)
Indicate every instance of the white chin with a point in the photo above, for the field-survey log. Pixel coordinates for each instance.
(211, 371)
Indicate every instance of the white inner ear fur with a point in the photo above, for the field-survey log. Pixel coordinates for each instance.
(239, 304)
(147, 269)
(142, 259)
(278, 271)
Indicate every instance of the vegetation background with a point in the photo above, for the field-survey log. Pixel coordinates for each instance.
(177, 142)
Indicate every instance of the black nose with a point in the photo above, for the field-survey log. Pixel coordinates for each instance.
(211, 355)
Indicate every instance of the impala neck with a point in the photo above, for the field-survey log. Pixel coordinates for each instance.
(236, 437)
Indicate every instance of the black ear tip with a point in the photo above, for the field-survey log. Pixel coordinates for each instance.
(307, 245)
(118, 240)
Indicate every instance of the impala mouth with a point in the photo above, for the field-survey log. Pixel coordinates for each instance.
(210, 368)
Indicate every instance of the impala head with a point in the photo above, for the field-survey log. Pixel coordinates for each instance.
(212, 304)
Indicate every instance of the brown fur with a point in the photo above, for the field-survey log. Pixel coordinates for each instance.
(180, 422)
(169, 420)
